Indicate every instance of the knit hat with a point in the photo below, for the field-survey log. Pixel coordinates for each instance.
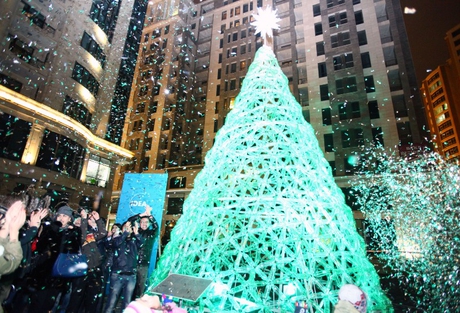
(66, 210)
(355, 296)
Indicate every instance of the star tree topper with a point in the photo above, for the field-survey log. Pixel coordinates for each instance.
(265, 21)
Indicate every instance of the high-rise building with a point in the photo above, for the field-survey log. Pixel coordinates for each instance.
(347, 61)
(441, 96)
(59, 79)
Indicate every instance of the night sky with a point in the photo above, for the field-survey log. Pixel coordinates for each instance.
(426, 30)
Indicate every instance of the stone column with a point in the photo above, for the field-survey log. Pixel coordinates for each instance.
(33, 144)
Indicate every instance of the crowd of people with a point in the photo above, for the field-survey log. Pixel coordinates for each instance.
(33, 238)
(116, 263)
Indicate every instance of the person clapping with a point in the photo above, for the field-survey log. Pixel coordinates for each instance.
(12, 217)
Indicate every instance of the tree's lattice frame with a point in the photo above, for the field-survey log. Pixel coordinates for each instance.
(265, 211)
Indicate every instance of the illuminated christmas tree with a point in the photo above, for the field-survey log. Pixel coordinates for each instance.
(265, 220)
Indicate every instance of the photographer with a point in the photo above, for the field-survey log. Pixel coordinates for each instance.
(149, 232)
(124, 268)
(86, 290)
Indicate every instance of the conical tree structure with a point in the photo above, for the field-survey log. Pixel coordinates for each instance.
(265, 219)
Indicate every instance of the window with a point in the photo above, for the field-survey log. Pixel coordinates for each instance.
(177, 182)
(346, 85)
(338, 19)
(148, 143)
(218, 90)
(385, 33)
(34, 16)
(243, 33)
(220, 58)
(343, 61)
(143, 90)
(224, 15)
(242, 65)
(362, 38)
(234, 51)
(235, 37)
(193, 26)
(219, 73)
(167, 124)
(320, 48)
(322, 70)
(373, 109)
(222, 28)
(245, 8)
(377, 136)
(404, 133)
(324, 92)
(90, 45)
(237, 11)
(85, 78)
(98, 171)
(349, 110)
(366, 60)
(221, 44)
(137, 125)
(13, 136)
(233, 84)
(329, 142)
(105, 14)
(233, 68)
(369, 83)
(318, 28)
(153, 107)
(243, 49)
(352, 137)
(316, 10)
(327, 116)
(166, 29)
(151, 125)
(77, 110)
(395, 80)
(399, 106)
(175, 205)
(26, 51)
(389, 56)
(359, 19)
(10, 83)
(61, 154)
(340, 39)
(216, 126)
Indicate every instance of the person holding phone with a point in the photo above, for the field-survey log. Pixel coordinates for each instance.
(124, 265)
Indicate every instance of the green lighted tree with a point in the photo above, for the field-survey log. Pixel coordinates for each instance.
(412, 209)
(265, 219)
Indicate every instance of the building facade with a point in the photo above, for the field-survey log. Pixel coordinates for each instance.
(58, 74)
(347, 63)
(441, 97)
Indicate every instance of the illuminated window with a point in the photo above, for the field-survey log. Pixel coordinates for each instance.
(232, 103)
(98, 171)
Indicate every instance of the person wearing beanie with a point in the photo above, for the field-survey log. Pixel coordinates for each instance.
(351, 300)
(55, 237)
